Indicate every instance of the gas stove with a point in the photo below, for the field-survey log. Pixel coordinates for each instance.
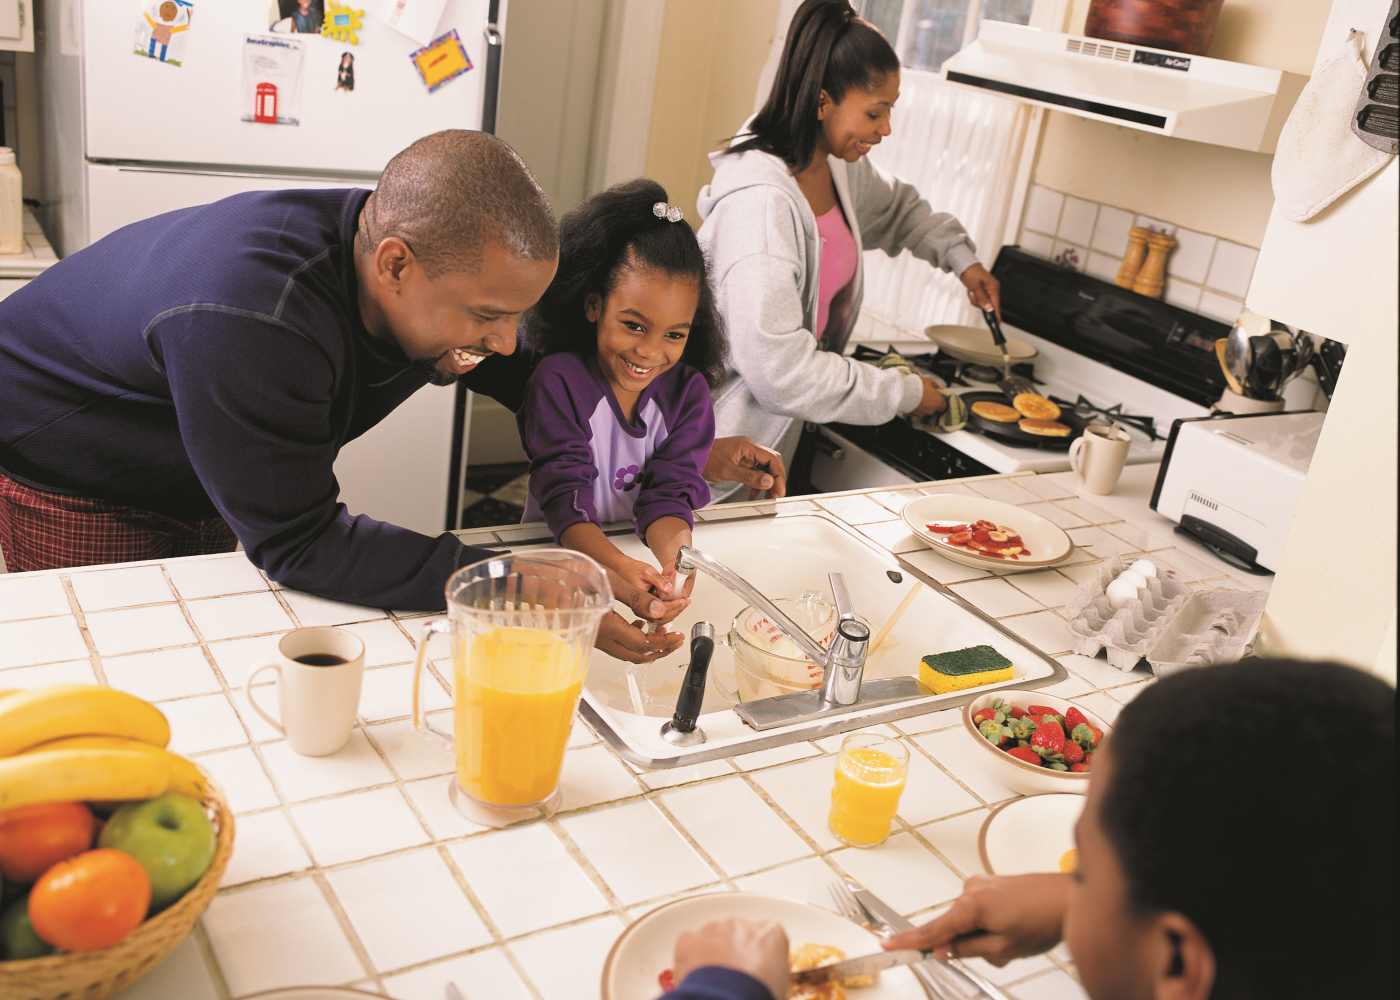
(1104, 353)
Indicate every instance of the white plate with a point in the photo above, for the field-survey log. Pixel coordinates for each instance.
(970, 343)
(313, 993)
(647, 947)
(1047, 543)
(1030, 834)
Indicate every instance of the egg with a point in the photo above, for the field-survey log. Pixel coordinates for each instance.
(1119, 593)
(1144, 566)
(1134, 577)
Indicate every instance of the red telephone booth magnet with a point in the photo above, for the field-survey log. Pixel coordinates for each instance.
(265, 104)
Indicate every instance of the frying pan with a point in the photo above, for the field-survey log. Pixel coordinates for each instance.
(1011, 433)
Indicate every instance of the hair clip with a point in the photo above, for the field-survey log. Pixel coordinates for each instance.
(672, 213)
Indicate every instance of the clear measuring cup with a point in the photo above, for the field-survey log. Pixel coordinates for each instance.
(522, 627)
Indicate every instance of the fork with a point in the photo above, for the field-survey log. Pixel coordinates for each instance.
(850, 908)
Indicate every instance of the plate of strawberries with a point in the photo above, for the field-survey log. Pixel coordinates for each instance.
(976, 531)
(1033, 742)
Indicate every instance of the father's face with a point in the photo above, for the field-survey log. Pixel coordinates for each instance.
(448, 324)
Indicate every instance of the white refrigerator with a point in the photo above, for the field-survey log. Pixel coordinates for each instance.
(154, 105)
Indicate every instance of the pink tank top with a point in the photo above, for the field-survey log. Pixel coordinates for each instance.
(838, 263)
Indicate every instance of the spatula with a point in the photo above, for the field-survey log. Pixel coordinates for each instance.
(1012, 385)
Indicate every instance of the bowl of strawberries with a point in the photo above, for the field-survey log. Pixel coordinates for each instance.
(1033, 742)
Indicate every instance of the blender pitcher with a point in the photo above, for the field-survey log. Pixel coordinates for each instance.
(522, 627)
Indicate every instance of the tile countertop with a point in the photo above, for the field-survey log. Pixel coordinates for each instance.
(355, 870)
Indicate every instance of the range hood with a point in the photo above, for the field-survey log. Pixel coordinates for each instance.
(1168, 93)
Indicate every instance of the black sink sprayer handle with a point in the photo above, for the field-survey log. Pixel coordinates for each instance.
(692, 697)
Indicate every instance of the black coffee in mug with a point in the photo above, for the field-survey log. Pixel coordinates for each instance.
(321, 659)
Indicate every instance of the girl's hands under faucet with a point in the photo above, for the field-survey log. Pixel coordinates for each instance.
(665, 536)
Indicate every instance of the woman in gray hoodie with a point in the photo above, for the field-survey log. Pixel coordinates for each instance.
(793, 203)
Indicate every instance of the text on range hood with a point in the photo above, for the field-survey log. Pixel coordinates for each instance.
(1189, 97)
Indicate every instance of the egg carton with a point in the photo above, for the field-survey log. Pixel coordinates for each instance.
(1213, 626)
(1127, 633)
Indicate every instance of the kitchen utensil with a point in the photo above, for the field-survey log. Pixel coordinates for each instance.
(1098, 456)
(1017, 775)
(1327, 363)
(863, 966)
(1011, 433)
(1046, 543)
(1029, 834)
(898, 613)
(522, 629)
(845, 902)
(1233, 382)
(319, 674)
(1303, 351)
(975, 345)
(1132, 260)
(1265, 367)
(682, 730)
(1237, 355)
(647, 947)
(1151, 278)
(888, 918)
(1012, 385)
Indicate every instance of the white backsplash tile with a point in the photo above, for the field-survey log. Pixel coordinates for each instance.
(1111, 231)
(1182, 294)
(232, 574)
(1077, 221)
(154, 627)
(163, 674)
(1038, 244)
(1220, 307)
(1043, 209)
(1232, 268)
(102, 590)
(408, 909)
(1103, 266)
(1156, 225)
(32, 597)
(1069, 256)
(526, 879)
(41, 640)
(1190, 258)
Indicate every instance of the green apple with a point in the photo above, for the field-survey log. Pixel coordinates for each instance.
(17, 937)
(171, 837)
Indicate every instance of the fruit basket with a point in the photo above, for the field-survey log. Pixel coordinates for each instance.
(94, 975)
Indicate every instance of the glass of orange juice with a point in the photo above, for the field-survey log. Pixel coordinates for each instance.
(870, 774)
(522, 627)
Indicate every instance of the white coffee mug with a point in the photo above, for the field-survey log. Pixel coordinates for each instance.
(319, 671)
(1098, 455)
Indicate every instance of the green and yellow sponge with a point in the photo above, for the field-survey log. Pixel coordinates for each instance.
(959, 669)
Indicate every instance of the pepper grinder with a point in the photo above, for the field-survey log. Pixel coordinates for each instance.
(1153, 274)
(1132, 260)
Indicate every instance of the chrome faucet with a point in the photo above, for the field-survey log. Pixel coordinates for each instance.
(842, 665)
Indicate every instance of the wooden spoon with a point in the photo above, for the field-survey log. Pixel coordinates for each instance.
(1235, 386)
(898, 613)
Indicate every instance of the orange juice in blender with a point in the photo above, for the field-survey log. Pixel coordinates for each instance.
(870, 774)
(515, 695)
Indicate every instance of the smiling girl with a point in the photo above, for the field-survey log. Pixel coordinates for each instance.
(793, 202)
(617, 418)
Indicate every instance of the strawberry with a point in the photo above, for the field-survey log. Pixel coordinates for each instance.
(1049, 737)
(1086, 735)
(1073, 752)
(667, 979)
(1017, 713)
(984, 715)
(1079, 768)
(1041, 710)
(1074, 718)
(995, 732)
(1022, 728)
(1036, 719)
(1025, 754)
(1088, 757)
(1057, 765)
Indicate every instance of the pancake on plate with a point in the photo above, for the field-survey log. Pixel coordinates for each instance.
(999, 412)
(1044, 428)
(1036, 407)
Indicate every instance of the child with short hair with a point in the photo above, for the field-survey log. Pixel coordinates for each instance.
(617, 419)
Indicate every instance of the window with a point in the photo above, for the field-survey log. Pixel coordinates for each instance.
(926, 32)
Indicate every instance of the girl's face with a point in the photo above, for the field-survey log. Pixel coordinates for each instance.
(849, 129)
(642, 326)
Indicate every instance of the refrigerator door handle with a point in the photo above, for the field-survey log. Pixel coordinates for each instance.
(492, 85)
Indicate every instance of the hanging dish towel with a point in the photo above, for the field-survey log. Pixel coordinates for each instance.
(954, 418)
(1319, 159)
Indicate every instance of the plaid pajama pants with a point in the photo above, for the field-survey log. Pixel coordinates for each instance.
(40, 530)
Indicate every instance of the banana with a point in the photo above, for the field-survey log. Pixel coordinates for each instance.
(80, 775)
(49, 713)
(185, 777)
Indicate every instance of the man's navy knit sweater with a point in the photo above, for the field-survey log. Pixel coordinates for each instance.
(212, 360)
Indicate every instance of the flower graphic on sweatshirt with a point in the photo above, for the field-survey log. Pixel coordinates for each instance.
(626, 478)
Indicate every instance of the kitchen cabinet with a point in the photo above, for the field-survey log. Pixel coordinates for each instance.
(17, 25)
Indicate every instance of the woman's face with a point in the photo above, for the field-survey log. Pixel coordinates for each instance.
(862, 118)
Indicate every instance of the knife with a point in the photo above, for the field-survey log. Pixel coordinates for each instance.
(879, 910)
(863, 966)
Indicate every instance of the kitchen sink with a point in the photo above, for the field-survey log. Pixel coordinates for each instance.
(787, 556)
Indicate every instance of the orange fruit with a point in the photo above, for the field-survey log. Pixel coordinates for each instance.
(34, 837)
(91, 901)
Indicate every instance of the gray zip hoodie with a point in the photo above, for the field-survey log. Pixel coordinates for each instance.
(762, 239)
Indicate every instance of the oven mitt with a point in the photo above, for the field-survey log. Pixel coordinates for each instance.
(954, 418)
(1319, 159)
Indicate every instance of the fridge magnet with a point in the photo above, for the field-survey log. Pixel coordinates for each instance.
(272, 68)
(341, 23)
(299, 17)
(345, 75)
(441, 60)
(161, 30)
(417, 19)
